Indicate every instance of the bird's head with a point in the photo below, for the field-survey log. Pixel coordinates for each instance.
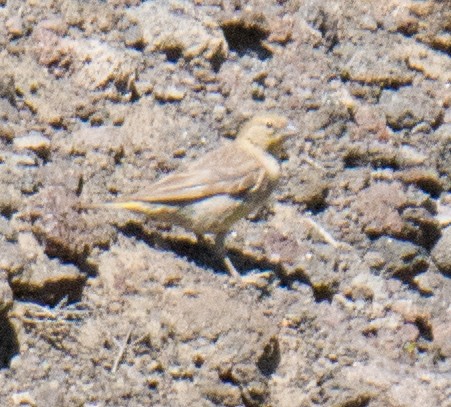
(267, 131)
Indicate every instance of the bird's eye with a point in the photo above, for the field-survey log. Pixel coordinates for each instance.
(269, 125)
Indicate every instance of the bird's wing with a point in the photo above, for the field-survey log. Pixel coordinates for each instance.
(228, 170)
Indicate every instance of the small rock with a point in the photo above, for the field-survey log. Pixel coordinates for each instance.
(441, 253)
(49, 393)
(6, 294)
(377, 154)
(431, 64)
(32, 275)
(134, 37)
(7, 231)
(425, 178)
(57, 25)
(23, 399)
(442, 335)
(410, 157)
(390, 209)
(353, 179)
(108, 139)
(426, 225)
(48, 114)
(367, 22)
(444, 211)
(442, 139)
(379, 206)
(425, 283)
(8, 92)
(369, 120)
(222, 394)
(58, 229)
(10, 200)
(170, 94)
(370, 68)
(375, 260)
(12, 260)
(22, 160)
(402, 21)
(48, 281)
(179, 35)
(15, 27)
(403, 260)
(6, 132)
(409, 310)
(359, 292)
(407, 107)
(49, 47)
(34, 141)
(310, 189)
(108, 65)
(407, 333)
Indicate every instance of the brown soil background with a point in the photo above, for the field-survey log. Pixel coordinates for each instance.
(99, 98)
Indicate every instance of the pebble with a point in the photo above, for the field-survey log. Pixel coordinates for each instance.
(170, 94)
(15, 27)
(33, 141)
(6, 294)
(441, 253)
(22, 160)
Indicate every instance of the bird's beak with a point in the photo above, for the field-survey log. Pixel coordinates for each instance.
(279, 148)
(286, 133)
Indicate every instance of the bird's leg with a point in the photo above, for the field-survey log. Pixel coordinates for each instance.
(259, 280)
(221, 253)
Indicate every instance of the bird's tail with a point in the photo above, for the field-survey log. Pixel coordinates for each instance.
(152, 210)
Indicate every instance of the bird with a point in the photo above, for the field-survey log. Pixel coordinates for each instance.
(209, 195)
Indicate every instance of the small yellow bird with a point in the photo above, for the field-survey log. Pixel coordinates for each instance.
(220, 188)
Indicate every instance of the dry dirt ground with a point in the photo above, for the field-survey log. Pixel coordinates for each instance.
(349, 264)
